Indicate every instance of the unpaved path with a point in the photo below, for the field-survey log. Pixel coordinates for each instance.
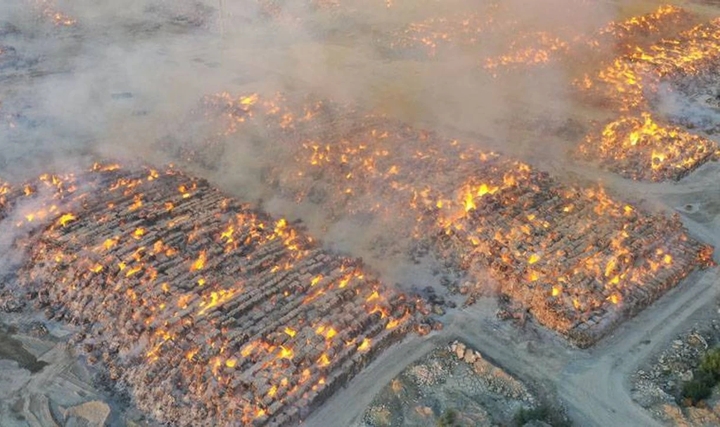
(593, 384)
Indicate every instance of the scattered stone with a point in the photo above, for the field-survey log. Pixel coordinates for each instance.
(460, 350)
(478, 393)
(94, 413)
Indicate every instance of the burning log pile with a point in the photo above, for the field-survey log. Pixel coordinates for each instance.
(527, 46)
(210, 312)
(624, 144)
(578, 260)
(49, 10)
(437, 36)
(625, 82)
(643, 30)
(634, 145)
(637, 145)
(574, 257)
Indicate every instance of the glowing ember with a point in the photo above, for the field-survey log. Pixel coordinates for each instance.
(65, 219)
(199, 263)
(49, 10)
(529, 49)
(323, 361)
(365, 345)
(285, 353)
(442, 33)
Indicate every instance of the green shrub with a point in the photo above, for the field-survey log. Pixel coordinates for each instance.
(449, 418)
(704, 379)
(695, 391)
(711, 363)
(524, 416)
(540, 413)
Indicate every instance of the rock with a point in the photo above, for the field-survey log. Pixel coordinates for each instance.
(460, 350)
(687, 375)
(469, 357)
(93, 413)
(423, 329)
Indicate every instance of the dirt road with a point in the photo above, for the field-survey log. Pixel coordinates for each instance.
(593, 384)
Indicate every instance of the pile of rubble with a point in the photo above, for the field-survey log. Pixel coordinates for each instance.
(658, 385)
(579, 260)
(208, 311)
(452, 379)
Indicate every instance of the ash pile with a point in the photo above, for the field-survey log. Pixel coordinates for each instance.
(207, 311)
(578, 259)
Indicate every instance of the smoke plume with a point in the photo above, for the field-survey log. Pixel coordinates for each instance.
(83, 80)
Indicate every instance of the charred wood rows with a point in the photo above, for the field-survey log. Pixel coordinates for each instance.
(209, 312)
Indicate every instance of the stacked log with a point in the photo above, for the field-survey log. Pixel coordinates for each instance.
(579, 260)
(210, 312)
(638, 147)
(635, 145)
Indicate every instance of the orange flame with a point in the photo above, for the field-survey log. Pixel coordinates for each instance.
(65, 219)
(323, 361)
(365, 345)
(286, 353)
(199, 263)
